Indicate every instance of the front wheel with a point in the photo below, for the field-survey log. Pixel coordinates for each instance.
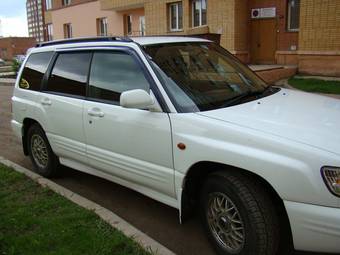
(238, 215)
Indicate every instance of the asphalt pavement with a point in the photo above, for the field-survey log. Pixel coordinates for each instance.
(153, 218)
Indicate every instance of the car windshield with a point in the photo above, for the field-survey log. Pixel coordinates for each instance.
(202, 76)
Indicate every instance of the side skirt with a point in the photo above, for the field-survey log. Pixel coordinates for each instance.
(170, 201)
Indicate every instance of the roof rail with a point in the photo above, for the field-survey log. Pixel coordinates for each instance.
(86, 39)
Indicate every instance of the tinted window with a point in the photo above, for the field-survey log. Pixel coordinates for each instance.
(69, 74)
(34, 70)
(113, 73)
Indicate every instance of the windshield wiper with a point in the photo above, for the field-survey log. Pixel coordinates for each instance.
(239, 98)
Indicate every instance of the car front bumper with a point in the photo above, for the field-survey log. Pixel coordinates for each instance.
(314, 228)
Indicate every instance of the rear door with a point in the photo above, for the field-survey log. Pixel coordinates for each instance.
(29, 85)
(61, 104)
(131, 144)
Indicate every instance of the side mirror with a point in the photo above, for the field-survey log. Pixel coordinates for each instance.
(137, 99)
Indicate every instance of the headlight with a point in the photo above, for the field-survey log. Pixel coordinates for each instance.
(331, 176)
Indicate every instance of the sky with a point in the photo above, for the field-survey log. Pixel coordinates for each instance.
(13, 18)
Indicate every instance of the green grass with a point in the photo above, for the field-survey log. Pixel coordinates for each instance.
(35, 220)
(315, 85)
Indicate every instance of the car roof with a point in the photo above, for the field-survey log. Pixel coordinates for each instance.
(108, 41)
(148, 40)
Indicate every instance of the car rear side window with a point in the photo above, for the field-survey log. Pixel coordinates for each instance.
(113, 73)
(34, 70)
(69, 74)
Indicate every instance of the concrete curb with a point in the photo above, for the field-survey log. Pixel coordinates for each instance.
(114, 220)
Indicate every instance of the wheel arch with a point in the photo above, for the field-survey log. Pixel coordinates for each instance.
(200, 171)
(27, 123)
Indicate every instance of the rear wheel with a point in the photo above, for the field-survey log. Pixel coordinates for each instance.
(238, 215)
(44, 160)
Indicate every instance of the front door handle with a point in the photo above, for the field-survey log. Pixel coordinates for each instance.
(46, 101)
(95, 112)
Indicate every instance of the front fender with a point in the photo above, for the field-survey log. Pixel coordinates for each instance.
(291, 168)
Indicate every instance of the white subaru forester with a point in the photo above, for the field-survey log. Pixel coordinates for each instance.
(184, 122)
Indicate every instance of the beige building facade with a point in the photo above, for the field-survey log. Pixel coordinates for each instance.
(305, 33)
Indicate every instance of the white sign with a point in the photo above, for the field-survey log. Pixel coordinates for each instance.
(262, 13)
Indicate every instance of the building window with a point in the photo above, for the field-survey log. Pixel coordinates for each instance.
(176, 16)
(293, 21)
(199, 13)
(68, 30)
(142, 25)
(48, 4)
(102, 27)
(129, 24)
(66, 2)
(49, 30)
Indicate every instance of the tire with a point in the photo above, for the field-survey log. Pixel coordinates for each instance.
(238, 215)
(45, 162)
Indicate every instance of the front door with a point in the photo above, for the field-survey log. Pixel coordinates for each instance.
(130, 144)
(263, 41)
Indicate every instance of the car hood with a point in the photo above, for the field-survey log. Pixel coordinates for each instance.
(303, 117)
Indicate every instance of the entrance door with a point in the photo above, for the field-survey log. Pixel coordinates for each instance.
(263, 41)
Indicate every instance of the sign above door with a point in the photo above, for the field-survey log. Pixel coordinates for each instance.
(263, 13)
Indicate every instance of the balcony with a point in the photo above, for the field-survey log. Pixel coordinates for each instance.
(121, 5)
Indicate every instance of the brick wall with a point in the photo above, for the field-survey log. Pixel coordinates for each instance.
(319, 37)
(11, 46)
(320, 25)
(220, 20)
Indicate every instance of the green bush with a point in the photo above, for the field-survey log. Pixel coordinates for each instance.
(15, 66)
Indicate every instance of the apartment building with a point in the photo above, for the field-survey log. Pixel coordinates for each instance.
(77, 18)
(35, 19)
(290, 32)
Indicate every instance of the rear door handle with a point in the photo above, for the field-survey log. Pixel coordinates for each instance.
(46, 101)
(95, 112)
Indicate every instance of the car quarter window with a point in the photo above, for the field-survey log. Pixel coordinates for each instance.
(69, 74)
(34, 70)
(113, 73)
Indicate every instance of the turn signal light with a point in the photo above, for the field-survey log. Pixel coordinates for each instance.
(331, 176)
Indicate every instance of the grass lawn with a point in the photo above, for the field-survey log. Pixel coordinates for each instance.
(35, 220)
(315, 85)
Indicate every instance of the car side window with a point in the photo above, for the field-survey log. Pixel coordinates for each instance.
(34, 70)
(69, 74)
(113, 73)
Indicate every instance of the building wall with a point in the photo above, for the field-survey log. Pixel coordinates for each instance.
(315, 47)
(320, 25)
(319, 38)
(220, 20)
(12, 46)
(83, 19)
(121, 4)
(57, 4)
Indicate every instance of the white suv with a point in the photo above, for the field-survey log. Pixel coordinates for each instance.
(184, 122)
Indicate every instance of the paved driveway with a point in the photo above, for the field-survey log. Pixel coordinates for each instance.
(155, 219)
